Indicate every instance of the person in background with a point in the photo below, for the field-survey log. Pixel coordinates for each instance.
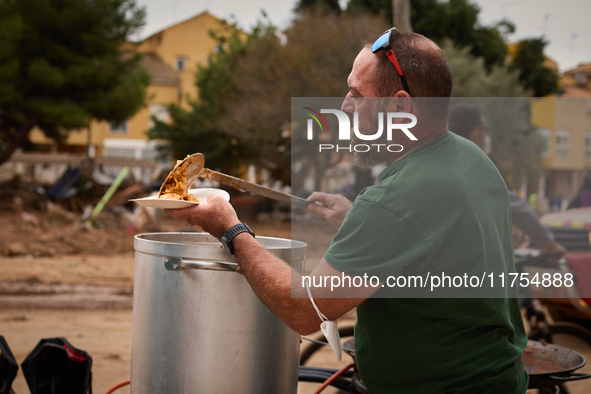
(467, 121)
(583, 199)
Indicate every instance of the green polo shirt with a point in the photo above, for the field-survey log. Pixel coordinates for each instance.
(442, 208)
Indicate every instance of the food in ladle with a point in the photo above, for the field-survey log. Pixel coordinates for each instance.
(175, 185)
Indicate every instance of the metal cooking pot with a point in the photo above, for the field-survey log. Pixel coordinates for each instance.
(197, 325)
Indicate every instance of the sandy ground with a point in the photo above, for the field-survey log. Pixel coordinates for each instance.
(106, 335)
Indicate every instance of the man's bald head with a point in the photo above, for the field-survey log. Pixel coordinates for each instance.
(423, 63)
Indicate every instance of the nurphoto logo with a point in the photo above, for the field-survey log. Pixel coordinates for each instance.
(345, 130)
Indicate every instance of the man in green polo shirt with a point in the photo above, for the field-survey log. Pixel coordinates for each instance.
(429, 212)
(440, 206)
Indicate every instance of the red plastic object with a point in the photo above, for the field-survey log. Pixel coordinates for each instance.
(581, 265)
(333, 378)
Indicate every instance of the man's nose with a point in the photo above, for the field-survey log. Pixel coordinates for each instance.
(348, 105)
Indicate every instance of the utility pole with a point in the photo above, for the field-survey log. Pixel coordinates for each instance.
(401, 15)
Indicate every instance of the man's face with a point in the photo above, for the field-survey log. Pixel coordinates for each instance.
(362, 98)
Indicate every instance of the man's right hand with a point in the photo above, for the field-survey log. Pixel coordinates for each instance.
(329, 207)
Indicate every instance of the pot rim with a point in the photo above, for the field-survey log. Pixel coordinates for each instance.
(205, 246)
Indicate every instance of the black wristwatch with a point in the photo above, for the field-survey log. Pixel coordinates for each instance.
(229, 236)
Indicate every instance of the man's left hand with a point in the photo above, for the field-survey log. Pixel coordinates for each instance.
(216, 216)
(332, 207)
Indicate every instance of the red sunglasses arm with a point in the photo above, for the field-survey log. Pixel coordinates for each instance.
(394, 61)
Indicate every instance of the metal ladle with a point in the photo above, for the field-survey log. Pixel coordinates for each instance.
(195, 169)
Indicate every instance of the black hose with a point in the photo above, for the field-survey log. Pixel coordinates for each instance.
(321, 375)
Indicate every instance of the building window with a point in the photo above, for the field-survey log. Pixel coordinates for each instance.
(118, 127)
(581, 78)
(181, 63)
(545, 134)
(159, 112)
(588, 145)
(562, 143)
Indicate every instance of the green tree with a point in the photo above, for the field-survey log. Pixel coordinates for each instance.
(327, 5)
(533, 74)
(471, 78)
(453, 19)
(64, 62)
(457, 20)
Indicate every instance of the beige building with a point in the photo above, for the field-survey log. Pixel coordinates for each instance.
(172, 57)
(565, 123)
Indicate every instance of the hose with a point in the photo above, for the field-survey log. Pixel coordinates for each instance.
(333, 378)
(118, 385)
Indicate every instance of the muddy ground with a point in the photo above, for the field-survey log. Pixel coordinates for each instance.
(59, 279)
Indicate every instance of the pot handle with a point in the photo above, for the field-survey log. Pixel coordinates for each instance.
(571, 377)
(176, 264)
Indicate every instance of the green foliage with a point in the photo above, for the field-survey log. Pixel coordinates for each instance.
(471, 78)
(327, 5)
(192, 131)
(62, 64)
(529, 62)
(376, 7)
(453, 19)
(457, 20)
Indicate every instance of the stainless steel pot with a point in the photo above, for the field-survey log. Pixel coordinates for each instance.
(197, 325)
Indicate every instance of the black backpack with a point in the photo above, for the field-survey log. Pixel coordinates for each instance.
(8, 367)
(56, 367)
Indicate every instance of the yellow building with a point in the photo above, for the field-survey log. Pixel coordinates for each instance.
(577, 81)
(565, 124)
(172, 57)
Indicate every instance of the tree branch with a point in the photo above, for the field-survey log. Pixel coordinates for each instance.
(19, 139)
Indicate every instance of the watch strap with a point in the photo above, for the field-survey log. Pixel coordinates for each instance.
(229, 235)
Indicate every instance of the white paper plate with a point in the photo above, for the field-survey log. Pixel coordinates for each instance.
(200, 194)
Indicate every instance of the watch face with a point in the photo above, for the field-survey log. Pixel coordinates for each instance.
(224, 241)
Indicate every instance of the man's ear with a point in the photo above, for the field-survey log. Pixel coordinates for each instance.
(403, 101)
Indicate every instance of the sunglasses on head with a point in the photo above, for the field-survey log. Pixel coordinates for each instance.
(383, 44)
